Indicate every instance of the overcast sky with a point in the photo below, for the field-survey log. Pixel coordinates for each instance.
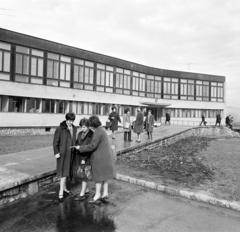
(200, 36)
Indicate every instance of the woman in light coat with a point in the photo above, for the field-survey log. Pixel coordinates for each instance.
(103, 167)
(127, 125)
(149, 122)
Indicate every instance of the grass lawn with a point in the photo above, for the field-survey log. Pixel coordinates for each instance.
(207, 165)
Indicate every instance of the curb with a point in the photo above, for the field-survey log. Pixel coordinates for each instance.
(233, 205)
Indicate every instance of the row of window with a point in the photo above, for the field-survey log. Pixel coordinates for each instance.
(191, 113)
(37, 105)
(29, 68)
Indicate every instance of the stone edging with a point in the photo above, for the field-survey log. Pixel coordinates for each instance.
(181, 193)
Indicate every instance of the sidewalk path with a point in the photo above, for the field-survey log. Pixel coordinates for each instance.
(19, 168)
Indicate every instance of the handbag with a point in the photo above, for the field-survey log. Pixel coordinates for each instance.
(127, 124)
(82, 172)
(108, 123)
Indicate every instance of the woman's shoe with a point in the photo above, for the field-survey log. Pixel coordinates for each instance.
(60, 198)
(97, 201)
(105, 198)
(68, 193)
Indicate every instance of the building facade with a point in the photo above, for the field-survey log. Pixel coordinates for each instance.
(41, 80)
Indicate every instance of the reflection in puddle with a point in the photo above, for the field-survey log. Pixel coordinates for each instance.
(81, 216)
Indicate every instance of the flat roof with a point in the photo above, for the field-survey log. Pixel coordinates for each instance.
(50, 46)
(155, 104)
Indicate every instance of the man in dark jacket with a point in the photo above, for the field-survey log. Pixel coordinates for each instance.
(203, 120)
(168, 117)
(227, 122)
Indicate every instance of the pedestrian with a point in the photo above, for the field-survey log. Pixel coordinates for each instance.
(114, 119)
(168, 118)
(127, 125)
(103, 167)
(83, 159)
(149, 122)
(138, 126)
(218, 119)
(64, 138)
(203, 120)
(231, 123)
(227, 121)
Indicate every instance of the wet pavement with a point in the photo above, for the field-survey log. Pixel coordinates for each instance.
(130, 208)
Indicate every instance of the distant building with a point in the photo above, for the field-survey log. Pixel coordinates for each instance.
(41, 80)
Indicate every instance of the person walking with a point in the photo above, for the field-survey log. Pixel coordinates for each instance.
(227, 121)
(64, 137)
(84, 138)
(203, 120)
(103, 167)
(168, 118)
(127, 125)
(218, 119)
(114, 119)
(149, 122)
(138, 126)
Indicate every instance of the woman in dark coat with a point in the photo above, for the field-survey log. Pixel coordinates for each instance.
(103, 167)
(114, 119)
(64, 138)
(84, 138)
(149, 122)
(138, 126)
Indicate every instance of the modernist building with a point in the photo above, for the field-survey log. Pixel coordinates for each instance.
(41, 80)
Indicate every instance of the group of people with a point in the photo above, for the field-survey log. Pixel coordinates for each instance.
(91, 147)
(138, 125)
(228, 122)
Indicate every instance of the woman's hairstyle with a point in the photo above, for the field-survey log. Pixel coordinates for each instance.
(126, 110)
(150, 111)
(70, 116)
(84, 122)
(94, 121)
(114, 107)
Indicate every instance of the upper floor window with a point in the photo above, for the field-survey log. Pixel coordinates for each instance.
(29, 65)
(217, 91)
(138, 86)
(202, 90)
(58, 70)
(5, 61)
(187, 89)
(170, 88)
(123, 81)
(104, 80)
(83, 74)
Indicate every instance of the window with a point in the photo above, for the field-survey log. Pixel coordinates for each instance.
(58, 70)
(150, 86)
(36, 66)
(216, 92)
(5, 61)
(170, 90)
(104, 81)
(83, 74)
(138, 88)
(158, 87)
(187, 89)
(202, 90)
(123, 81)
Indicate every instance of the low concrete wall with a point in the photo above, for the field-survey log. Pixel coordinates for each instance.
(44, 180)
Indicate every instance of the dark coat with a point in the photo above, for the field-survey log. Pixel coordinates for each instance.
(227, 120)
(168, 116)
(218, 118)
(78, 157)
(114, 121)
(103, 167)
(138, 126)
(61, 142)
(149, 126)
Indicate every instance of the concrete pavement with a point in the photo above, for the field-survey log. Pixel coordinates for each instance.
(131, 208)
